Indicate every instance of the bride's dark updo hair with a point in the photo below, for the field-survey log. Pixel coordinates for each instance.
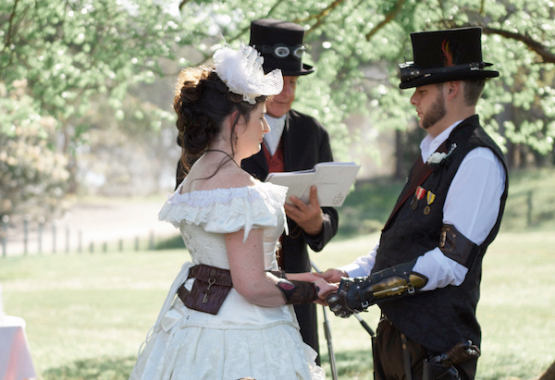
(202, 101)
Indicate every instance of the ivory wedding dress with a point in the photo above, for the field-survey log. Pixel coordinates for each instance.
(243, 339)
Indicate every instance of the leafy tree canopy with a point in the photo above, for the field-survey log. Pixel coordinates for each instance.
(357, 46)
(75, 52)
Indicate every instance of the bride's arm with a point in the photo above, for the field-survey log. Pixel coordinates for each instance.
(246, 263)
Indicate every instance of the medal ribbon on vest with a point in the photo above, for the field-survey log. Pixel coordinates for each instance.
(430, 198)
(418, 195)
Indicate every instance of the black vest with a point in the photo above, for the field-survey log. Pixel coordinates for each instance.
(441, 318)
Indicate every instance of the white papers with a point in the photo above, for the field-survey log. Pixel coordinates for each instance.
(332, 179)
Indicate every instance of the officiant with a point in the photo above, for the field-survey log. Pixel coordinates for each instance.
(295, 142)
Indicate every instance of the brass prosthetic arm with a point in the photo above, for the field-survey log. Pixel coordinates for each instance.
(357, 294)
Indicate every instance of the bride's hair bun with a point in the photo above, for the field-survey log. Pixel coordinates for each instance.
(198, 91)
(202, 101)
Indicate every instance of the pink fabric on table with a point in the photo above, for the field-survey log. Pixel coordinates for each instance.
(15, 358)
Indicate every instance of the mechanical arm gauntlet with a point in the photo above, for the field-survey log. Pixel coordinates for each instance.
(357, 294)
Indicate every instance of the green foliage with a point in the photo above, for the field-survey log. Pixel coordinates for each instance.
(69, 55)
(76, 54)
(357, 45)
(69, 52)
(32, 175)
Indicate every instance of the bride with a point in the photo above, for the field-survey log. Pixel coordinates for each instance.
(228, 314)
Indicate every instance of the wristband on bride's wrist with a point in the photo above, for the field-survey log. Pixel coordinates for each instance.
(298, 292)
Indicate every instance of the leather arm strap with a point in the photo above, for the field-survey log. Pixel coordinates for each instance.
(298, 292)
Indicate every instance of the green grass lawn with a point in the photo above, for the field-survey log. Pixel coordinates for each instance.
(88, 314)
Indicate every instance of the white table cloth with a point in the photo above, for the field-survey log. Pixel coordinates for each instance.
(15, 358)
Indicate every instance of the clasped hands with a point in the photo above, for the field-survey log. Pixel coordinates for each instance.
(324, 287)
(340, 301)
(332, 290)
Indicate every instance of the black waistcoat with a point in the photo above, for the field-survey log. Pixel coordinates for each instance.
(441, 318)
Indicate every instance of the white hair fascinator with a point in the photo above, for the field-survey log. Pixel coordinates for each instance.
(241, 70)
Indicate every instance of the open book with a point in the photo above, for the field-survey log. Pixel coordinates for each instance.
(333, 180)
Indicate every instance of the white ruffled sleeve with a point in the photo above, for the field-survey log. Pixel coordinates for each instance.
(227, 210)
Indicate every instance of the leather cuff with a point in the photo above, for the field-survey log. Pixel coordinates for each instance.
(298, 292)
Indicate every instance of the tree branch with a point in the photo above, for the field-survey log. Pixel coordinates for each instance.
(535, 46)
(320, 17)
(274, 7)
(245, 29)
(8, 40)
(388, 17)
(183, 3)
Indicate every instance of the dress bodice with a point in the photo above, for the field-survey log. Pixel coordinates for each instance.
(205, 216)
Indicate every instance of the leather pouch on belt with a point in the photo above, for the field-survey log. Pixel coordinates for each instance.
(210, 289)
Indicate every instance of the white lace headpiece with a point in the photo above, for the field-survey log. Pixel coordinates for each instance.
(241, 70)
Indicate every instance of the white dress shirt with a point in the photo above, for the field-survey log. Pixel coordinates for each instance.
(472, 206)
(272, 138)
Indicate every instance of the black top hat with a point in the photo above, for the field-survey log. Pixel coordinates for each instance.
(445, 55)
(281, 45)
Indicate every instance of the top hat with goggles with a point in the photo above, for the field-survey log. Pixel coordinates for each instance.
(281, 45)
(445, 55)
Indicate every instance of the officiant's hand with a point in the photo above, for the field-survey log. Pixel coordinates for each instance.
(307, 216)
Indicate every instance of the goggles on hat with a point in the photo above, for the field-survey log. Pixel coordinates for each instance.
(283, 51)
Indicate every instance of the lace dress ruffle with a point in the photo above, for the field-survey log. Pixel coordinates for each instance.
(226, 210)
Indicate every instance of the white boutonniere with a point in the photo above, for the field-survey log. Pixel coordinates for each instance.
(438, 158)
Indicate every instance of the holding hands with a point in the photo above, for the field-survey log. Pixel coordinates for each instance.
(324, 287)
(332, 275)
(337, 301)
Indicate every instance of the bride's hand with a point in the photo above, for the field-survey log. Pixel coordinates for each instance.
(324, 289)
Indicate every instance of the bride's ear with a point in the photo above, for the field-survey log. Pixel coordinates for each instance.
(237, 122)
(235, 118)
